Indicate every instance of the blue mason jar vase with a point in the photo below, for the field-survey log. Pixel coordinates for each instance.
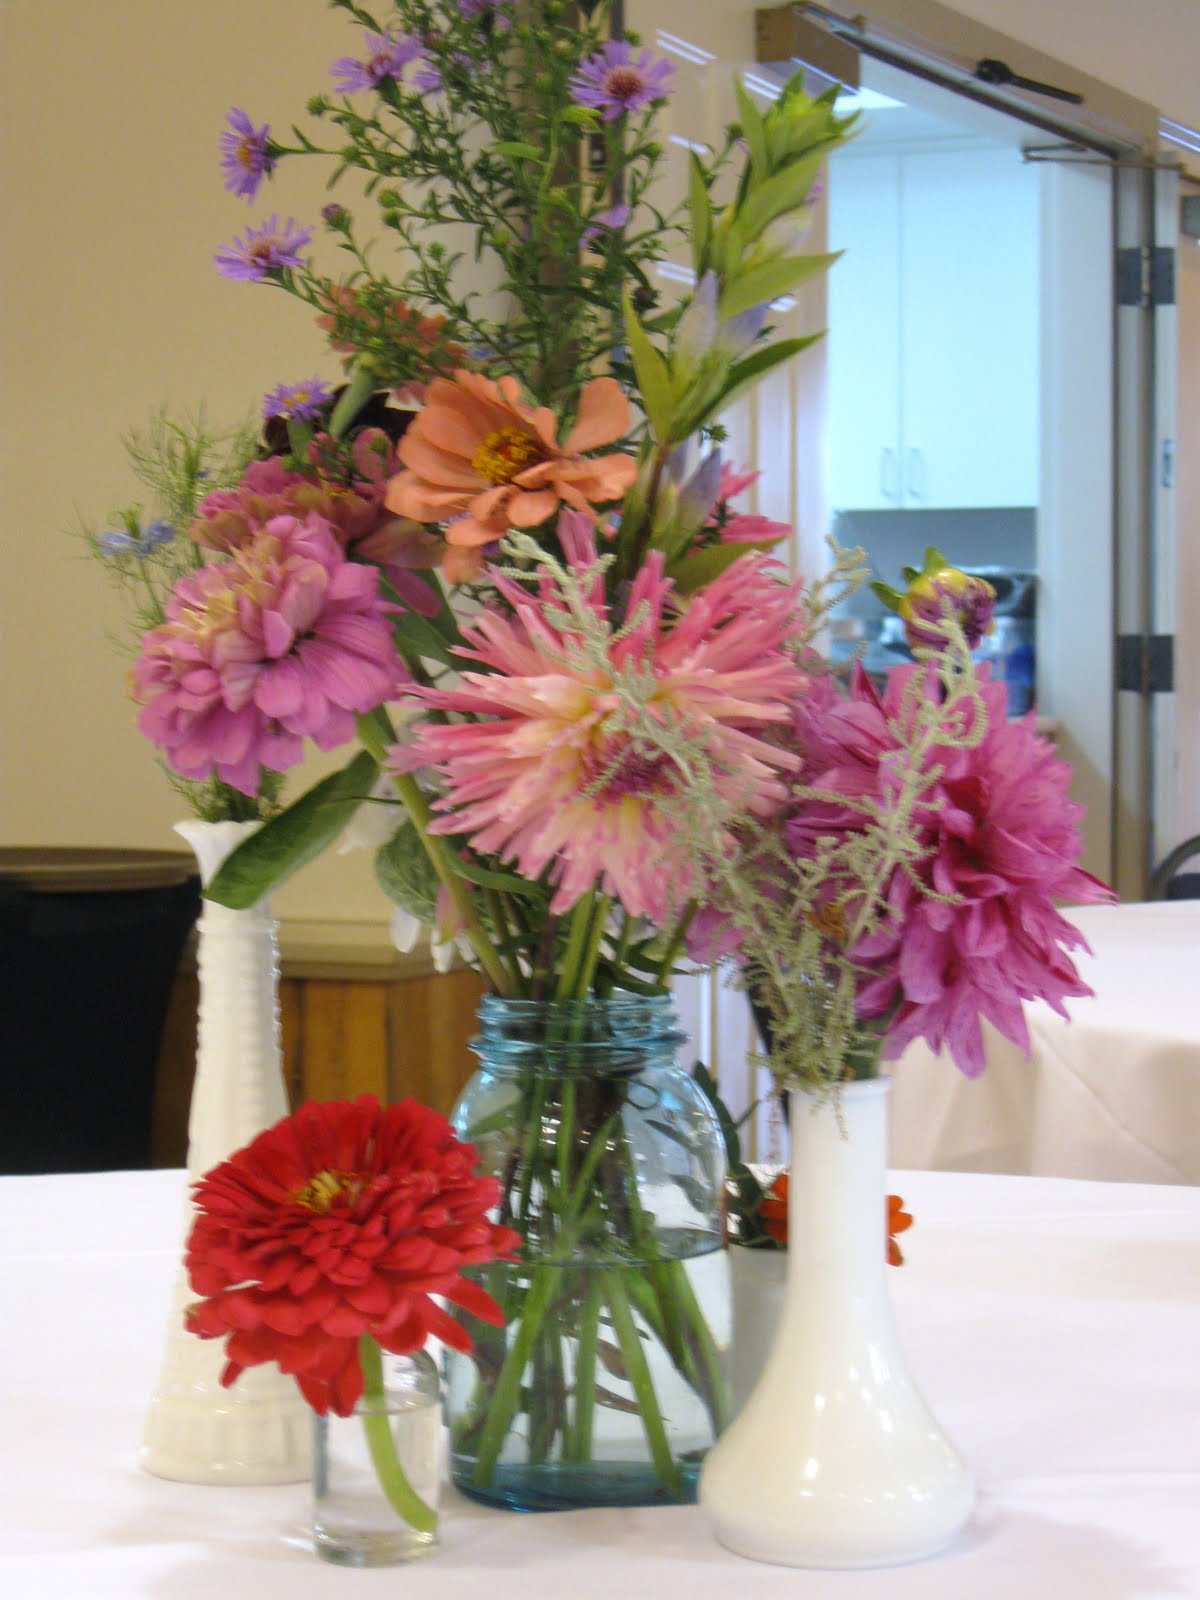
(607, 1383)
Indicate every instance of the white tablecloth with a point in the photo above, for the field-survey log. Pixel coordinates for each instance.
(1114, 1094)
(1053, 1326)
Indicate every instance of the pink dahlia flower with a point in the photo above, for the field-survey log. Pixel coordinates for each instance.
(549, 778)
(284, 640)
(1002, 840)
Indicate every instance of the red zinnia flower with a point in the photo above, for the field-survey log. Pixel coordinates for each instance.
(342, 1220)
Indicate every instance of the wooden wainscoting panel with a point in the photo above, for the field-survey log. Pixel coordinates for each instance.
(291, 1027)
(431, 1022)
(344, 1039)
(342, 1036)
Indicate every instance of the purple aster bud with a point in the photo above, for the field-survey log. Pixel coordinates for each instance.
(335, 215)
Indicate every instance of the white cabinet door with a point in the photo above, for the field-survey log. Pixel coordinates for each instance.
(933, 342)
(969, 330)
(864, 334)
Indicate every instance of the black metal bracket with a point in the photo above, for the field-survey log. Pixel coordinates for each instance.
(989, 70)
(1145, 276)
(1146, 662)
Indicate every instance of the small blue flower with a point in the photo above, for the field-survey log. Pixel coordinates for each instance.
(159, 532)
(118, 544)
(126, 544)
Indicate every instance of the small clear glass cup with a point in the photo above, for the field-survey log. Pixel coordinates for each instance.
(356, 1522)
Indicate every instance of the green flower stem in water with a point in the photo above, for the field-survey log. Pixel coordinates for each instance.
(628, 1338)
(507, 1394)
(402, 1497)
(577, 1445)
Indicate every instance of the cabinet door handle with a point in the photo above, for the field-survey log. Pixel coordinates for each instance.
(915, 474)
(889, 487)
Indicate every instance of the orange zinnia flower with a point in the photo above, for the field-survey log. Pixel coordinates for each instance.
(774, 1214)
(897, 1221)
(774, 1209)
(481, 459)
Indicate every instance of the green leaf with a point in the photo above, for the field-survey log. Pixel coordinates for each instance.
(743, 376)
(774, 278)
(421, 637)
(293, 838)
(752, 129)
(488, 878)
(707, 1085)
(519, 151)
(700, 207)
(702, 566)
(781, 193)
(890, 597)
(585, 116)
(654, 380)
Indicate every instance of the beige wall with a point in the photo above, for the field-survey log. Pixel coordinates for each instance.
(113, 207)
(1148, 48)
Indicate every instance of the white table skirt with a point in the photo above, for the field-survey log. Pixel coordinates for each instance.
(1114, 1094)
(1053, 1326)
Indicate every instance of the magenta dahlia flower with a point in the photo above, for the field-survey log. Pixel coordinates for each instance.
(549, 777)
(246, 154)
(272, 247)
(387, 56)
(285, 640)
(1002, 842)
(614, 81)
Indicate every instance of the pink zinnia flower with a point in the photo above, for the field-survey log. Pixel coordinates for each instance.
(549, 778)
(284, 640)
(1003, 840)
(226, 519)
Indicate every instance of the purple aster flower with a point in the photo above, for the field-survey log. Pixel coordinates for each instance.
(387, 56)
(268, 248)
(428, 80)
(299, 402)
(484, 10)
(613, 81)
(245, 154)
(614, 218)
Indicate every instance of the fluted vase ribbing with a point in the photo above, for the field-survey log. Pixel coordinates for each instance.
(258, 1430)
(835, 1460)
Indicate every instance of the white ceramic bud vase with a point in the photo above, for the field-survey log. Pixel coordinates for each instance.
(835, 1460)
(258, 1430)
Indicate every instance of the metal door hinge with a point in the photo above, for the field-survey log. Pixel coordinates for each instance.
(1145, 276)
(1146, 662)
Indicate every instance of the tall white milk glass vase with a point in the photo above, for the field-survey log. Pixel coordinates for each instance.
(259, 1430)
(836, 1461)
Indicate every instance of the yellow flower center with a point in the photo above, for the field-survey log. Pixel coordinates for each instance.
(504, 453)
(323, 1190)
